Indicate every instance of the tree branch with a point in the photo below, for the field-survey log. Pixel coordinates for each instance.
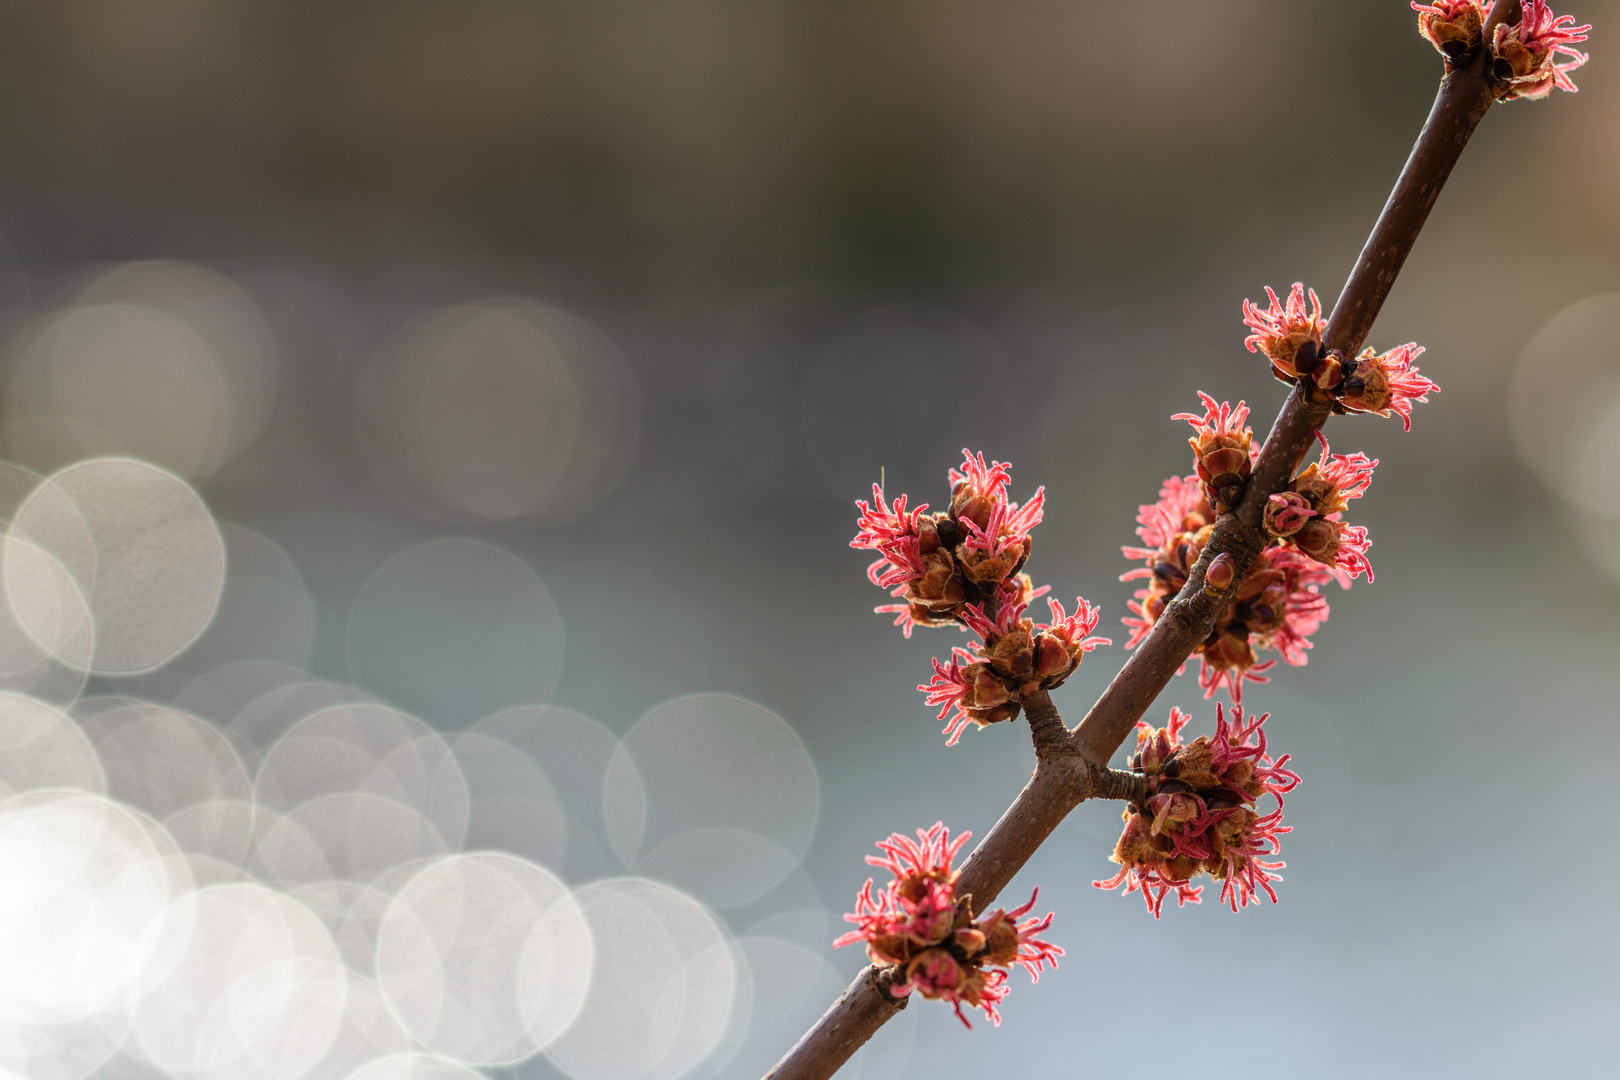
(1067, 775)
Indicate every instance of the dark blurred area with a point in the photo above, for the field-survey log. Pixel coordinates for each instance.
(645, 295)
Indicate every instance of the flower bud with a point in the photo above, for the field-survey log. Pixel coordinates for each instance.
(975, 508)
(1386, 383)
(1172, 809)
(935, 972)
(988, 691)
(1286, 514)
(1283, 331)
(1052, 658)
(1319, 538)
(1454, 27)
(1524, 60)
(1218, 578)
(987, 570)
(1135, 845)
(971, 940)
(1013, 654)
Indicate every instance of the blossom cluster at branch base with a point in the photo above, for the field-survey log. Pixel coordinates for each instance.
(1525, 56)
(1199, 815)
(1278, 605)
(1290, 335)
(964, 567)
(919, 924)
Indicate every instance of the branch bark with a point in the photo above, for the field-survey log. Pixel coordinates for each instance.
(1071, 768)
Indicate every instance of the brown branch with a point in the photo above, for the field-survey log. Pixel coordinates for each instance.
(1067, 775)
(1459, 106)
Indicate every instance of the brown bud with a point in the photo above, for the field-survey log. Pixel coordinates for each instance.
(989, 571)
(889, 949)
(1368, 389)
(1319, 539)
(975, 508)
(1052, 658)
(971, 940)
(988, 691)
(1218, 578)
(1135, 845)
(1196, 764)
(1001, 938)
(1013, 654)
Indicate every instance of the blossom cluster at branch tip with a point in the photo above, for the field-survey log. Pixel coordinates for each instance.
(964, 567)
(1525, 56)
(1276, 606)
(1290, 335)
(1200, 815)
(918, 924)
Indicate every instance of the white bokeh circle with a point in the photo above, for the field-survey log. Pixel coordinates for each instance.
(484, 958)
(142, 548)
(714, 794)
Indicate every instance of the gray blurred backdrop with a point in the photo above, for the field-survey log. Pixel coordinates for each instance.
(775, 250)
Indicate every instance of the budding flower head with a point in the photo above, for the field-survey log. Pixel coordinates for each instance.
(1452, 26)
(1288, 333)
(1525, 55)
(1286, 513)
(1223, 450)
(1199, 814)
(1383, 383)
(1015, 657)
(918, 924)
(937, 564)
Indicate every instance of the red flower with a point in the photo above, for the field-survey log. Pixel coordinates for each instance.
(1284, 329)
(1310, 514)
(1286, 513)
(1223, 449)
(918, 924)
(1199, 813)
(1383, 383)
(895, 533)
(935, 564)
(1015, 657)
(1526, 54)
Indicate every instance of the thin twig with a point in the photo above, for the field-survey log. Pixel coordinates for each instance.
(1062, 781)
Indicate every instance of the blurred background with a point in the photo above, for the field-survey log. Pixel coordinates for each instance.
(504, 374)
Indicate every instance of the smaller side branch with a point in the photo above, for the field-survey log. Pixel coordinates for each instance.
(1117, 784)
(1046, 726)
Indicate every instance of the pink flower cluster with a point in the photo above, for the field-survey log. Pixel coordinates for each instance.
(1525, 56)
(964, 567)
(1278, 605)
(1199, 815)
(919, 925)
(1310, 513)
(1290, 335)
(969, 554)
(1014, 657)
